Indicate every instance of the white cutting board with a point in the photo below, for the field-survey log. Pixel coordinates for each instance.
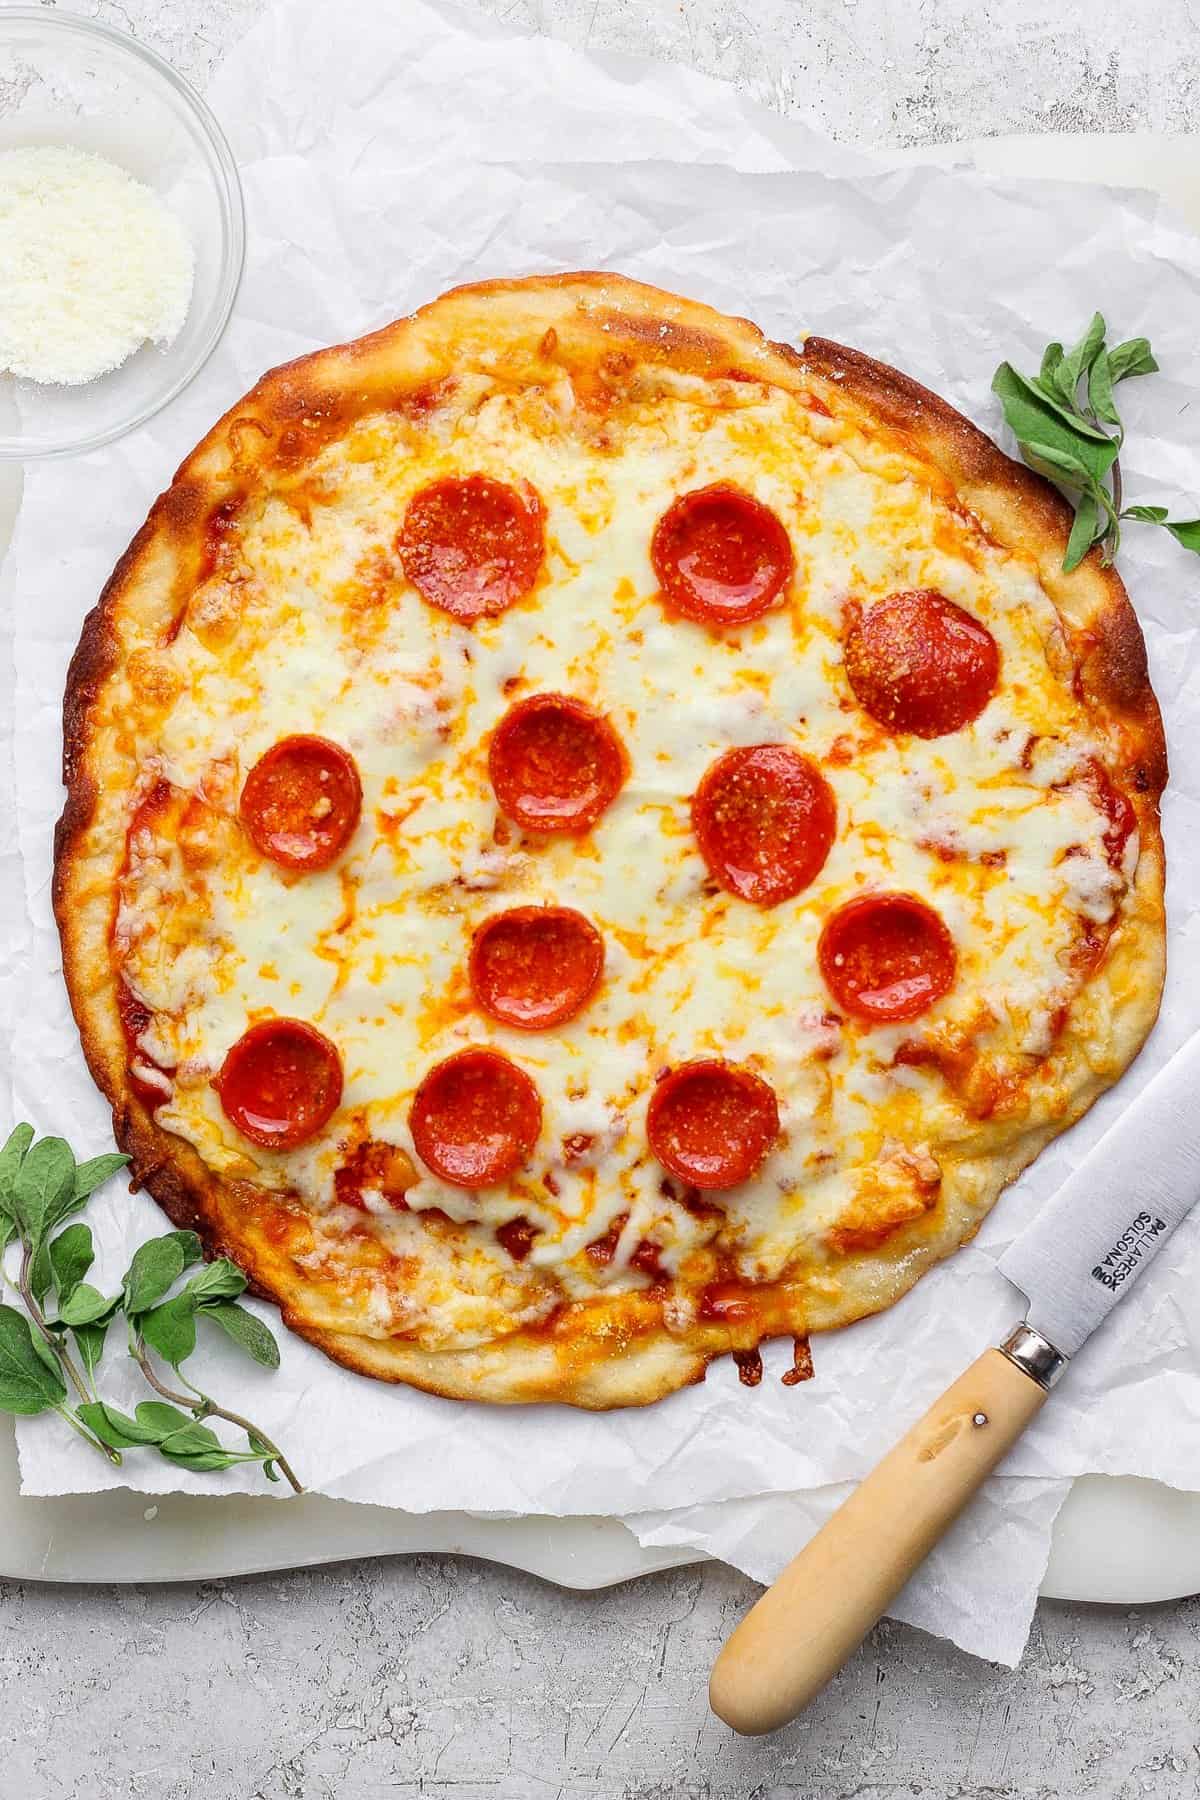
(1125, 1541)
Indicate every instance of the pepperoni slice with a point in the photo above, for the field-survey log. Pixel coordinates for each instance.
(472, 546)
(555, 763)
(711, 1124)
(280, 1083)
(301, 802)
(535, 966)
(765, 819)
(475, 1118)
(919, 663)
(721, 557)
(886, 957)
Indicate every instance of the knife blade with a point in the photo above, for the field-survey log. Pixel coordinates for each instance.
(1108, 1221)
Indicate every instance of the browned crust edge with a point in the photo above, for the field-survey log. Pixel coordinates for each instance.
(320, 394)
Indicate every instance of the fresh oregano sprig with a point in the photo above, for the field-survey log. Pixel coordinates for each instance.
(1066, 422)
(51, 1350)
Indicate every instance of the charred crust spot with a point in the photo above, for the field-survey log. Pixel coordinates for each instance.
(897, 399)
(184, 506)
(1116, 668)
(90, 666)
(667, 340)
(76, 816)
(308, 421)
(93, 659)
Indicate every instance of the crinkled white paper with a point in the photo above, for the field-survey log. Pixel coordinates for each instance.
(387, 154)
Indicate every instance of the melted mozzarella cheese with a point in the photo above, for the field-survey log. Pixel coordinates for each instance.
(317, 631)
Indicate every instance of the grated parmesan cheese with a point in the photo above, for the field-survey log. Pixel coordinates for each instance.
(92, 265)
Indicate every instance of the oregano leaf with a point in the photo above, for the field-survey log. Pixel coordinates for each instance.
(1061, 464)
(170, 1329)
(192, 1439)
(41, 1274)
(1100, 390)
(71, 1256)
(44, 1178)
(247, 1330)
(1133, 357)
(157, 1265)
(1080, 359)
(45, 1353)
(27, 1384)
(1053, 375)
(191, 1249)
(219, 1280)
(89, 1341)
(11, 1157)
(87, 1306)
(96, 1171)
(159, 1416)
(202, 1462)
(1087, 527)
(115, 1428)
(1185, 532)
(88, 1177)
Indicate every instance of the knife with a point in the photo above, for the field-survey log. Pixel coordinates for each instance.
(1080, 1255)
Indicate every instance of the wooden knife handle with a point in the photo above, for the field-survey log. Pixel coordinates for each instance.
(796, 1638)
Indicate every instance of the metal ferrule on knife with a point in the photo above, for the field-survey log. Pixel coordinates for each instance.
(1034, 1355)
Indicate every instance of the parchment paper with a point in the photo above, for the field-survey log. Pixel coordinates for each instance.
(386, 155)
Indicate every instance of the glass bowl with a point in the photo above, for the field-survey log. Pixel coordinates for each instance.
(70, 80)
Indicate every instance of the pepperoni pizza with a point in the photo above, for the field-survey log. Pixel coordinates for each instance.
(594, 839)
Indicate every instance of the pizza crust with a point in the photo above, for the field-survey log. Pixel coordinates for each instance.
(600, 327)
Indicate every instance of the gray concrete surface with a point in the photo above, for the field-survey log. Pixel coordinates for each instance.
(439, 1678)
(433, 1677)
(869, 71)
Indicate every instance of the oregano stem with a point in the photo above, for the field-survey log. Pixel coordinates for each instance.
(60, 1350)
(274, 1453)
(208, 1409)
(1113, 534)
